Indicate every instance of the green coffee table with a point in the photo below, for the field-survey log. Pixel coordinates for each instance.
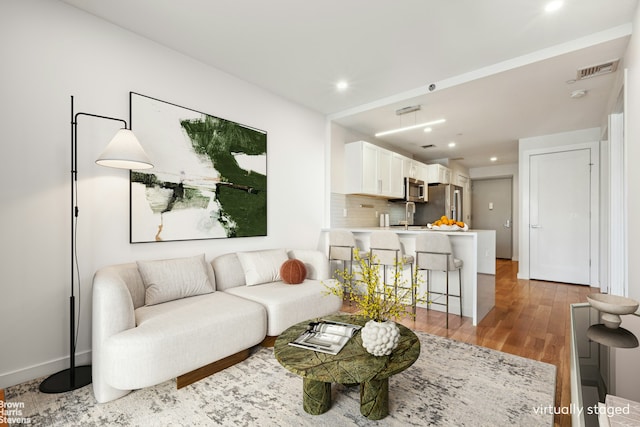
(353, 365)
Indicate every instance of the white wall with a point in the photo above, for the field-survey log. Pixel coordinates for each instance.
(500, 171)
(51, 51)
(632, 142)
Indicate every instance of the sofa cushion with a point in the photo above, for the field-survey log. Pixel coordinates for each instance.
(293, 272)
(262, 266)
(171, 279)
(287, 305)
(315, 261)
(228, 271)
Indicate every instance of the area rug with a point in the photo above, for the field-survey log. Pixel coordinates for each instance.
(451, 384)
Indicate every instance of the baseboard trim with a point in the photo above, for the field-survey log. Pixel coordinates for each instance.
(203, 372)
(28, 373)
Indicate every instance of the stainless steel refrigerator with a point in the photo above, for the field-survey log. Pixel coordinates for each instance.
(444, 199)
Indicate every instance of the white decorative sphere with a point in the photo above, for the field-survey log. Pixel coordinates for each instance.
(380, 338)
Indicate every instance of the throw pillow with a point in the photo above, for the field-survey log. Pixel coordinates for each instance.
(293, 272)
(171, 279)
(262, 266)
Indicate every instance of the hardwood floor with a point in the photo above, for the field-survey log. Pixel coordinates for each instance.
(2, 418)
(531, 319)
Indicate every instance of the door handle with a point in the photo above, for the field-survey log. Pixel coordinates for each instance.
(535, 226)
(507, 224)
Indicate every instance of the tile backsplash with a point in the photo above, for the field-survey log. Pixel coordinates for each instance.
(349, 210)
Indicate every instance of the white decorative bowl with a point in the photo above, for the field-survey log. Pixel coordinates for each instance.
(612, 306)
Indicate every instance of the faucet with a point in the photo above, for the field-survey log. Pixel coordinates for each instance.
(409, 209)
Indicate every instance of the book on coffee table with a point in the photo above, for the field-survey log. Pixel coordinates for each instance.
(326, 336)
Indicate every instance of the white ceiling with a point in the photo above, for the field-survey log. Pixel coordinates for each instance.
(500, 66)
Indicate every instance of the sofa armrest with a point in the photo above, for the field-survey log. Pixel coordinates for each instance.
(316, 262)
(113, 312)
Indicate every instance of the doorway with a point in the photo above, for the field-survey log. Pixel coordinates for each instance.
(492, 209)
(560, 216)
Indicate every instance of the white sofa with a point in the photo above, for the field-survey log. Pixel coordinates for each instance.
(286, 304)
(136, 345)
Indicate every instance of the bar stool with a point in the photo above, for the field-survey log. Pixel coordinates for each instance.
(434, 253)
(386, 250)
(342, 247)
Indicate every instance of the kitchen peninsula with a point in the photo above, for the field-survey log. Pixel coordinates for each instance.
(477, 250)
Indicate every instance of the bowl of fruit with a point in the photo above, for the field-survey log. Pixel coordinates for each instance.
(448, 224)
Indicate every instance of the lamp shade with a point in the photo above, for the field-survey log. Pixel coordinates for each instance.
(124, 152)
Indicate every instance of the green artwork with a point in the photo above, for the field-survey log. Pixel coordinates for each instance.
(209, 177)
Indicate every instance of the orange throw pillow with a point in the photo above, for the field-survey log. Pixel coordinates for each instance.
(293, 272)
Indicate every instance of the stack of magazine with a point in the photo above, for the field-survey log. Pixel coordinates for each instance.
(326, 336)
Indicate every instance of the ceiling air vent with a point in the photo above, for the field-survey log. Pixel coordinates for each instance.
(429, 146)
(597, 70)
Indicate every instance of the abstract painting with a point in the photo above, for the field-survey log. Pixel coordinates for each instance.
(209, 178)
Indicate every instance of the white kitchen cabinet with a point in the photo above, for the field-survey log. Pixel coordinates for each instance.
(461, 180)
(438, 174)
(361, 168)
(414, 169)
(422, 172)
(384, 172)
(373, 170)
(396, 176)
(409, 169)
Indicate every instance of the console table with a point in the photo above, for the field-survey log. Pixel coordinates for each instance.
(603, 362)
(352, 365)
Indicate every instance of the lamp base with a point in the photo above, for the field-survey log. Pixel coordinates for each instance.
(61, 381)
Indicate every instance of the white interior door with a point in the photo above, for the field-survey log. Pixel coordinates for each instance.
(559, 228)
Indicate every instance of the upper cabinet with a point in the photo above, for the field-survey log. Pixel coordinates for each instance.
(409, 169)
(462, 180)
(414, 169)
(438, 174)
(373, 170)
(396, 176)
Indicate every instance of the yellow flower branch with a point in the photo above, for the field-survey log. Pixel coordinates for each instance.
(376, 300)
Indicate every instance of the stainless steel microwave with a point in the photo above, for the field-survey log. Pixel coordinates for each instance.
(414, 190)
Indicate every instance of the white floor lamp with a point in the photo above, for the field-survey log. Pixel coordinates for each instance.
(125, 152)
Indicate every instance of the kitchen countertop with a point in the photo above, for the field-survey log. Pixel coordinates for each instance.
(411, 230)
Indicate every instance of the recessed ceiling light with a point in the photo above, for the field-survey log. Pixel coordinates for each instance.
(452, 144)
(552, 6)
(342, 85)
(493, 159)
(427, 130)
